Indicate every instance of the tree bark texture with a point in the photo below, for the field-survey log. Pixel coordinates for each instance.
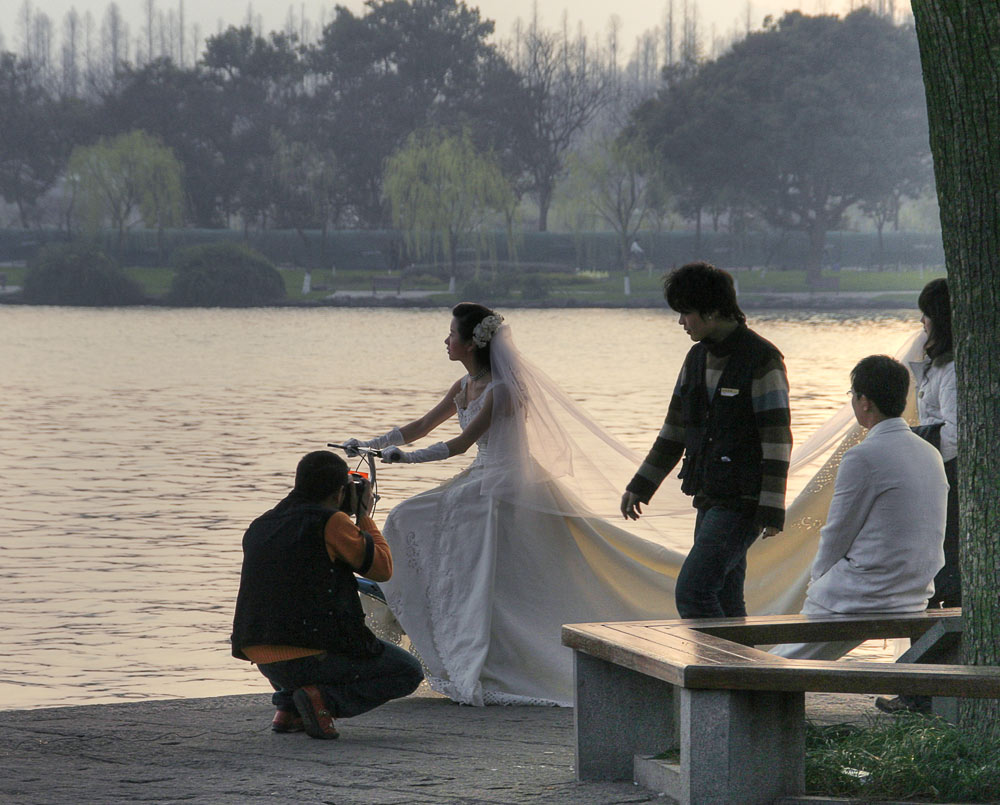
(960, 53)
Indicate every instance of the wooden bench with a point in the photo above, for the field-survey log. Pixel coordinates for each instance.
(735, 713)
(387, 284)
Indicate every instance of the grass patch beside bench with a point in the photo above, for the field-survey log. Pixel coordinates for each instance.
(908, 757)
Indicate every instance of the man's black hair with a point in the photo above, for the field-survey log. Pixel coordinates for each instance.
(320, 474)
(702, 288)
(882, 380)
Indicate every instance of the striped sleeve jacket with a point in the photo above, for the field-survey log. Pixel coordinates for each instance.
(754, 440)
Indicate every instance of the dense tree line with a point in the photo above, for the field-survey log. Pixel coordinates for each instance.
(788, 127)
(796, 124)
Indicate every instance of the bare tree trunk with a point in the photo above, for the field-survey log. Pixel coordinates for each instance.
(814, 257)
(961, 68)
(544, 202)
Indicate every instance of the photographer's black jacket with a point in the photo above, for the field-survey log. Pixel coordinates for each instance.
(291, 593)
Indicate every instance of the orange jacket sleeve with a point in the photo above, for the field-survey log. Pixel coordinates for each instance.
(353, 545)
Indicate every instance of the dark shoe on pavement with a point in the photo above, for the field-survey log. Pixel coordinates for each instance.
(287, 721)
(316, 719)
(903, 704)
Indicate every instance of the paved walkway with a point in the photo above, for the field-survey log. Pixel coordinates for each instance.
(423, 749)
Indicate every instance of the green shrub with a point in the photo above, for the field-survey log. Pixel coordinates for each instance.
(489, 288)
(78, 274)
(534, 287)
(225, 274)
(476, 290)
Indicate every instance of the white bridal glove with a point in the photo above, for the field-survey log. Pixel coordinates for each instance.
(378, 443)
(436, 452)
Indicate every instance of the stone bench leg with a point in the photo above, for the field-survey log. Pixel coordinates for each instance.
(618, 714)
(741, 746)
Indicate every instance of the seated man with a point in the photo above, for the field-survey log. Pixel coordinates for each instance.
(883, 541)
(298, 616)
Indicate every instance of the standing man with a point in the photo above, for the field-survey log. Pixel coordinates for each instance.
(729, 418)
(883, 541)
(298, 616)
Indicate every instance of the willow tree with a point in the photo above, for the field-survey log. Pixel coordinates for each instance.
(125, 180)
(960, 53)
(443, 191)
(613, 179)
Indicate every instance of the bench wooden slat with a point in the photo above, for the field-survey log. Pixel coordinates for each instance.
(677, 652)
(772, 629)
(852, 677)
(666, 655)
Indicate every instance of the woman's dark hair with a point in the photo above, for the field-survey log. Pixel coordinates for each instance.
(320, 474)
(882, 380)
(703, 288)
(935, 303)
(467, 316)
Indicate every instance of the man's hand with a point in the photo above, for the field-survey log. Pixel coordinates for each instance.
(631, 506)
(367, 498)
(769, 531)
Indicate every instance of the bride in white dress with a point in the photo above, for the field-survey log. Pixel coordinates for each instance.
(492, 563)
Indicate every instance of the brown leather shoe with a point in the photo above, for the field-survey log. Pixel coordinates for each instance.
(316, 719)
(287, 721)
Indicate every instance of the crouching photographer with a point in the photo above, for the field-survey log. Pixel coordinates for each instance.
(298, 615)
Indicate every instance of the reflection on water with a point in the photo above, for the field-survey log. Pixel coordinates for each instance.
(138, 444)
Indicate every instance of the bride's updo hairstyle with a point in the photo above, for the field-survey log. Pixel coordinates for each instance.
(467, 316)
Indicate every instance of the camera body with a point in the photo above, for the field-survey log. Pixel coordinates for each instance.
(354, 494)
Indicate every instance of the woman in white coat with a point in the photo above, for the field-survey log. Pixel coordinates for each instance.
(937, 407)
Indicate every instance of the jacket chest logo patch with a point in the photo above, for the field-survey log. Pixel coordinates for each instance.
(729, 392)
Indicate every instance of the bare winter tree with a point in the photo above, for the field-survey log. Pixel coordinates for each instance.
(114, 42)
(71, 54)
(568, 86)
(149, 12)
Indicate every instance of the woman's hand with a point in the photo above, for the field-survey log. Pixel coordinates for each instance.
(392, 455)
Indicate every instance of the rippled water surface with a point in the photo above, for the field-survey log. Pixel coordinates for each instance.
(137, 445)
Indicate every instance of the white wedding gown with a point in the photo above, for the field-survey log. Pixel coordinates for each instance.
(482, 586)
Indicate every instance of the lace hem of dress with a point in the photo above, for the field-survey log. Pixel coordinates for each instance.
(487, 698)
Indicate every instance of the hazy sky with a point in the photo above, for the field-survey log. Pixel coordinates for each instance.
(636, 15)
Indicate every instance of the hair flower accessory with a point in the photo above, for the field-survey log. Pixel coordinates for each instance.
(485, 330)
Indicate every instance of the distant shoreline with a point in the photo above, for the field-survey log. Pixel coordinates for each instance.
(823, 301)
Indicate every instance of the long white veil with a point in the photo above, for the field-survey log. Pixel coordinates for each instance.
(546, 453)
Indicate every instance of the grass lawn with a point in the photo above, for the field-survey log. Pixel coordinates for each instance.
(909, 757)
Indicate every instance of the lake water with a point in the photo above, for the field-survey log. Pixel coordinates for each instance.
(137, 444)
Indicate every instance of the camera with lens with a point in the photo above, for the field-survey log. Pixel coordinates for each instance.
(355, 494)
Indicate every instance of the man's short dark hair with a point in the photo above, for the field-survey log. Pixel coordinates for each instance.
(320, 474)
(882, 380)
(702, 288)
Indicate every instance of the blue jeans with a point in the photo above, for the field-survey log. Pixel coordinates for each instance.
(349, 685)
(710, 584)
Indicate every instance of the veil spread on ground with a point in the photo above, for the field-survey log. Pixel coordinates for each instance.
(546, 453)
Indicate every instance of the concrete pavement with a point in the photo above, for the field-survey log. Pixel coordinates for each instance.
(421, 750)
